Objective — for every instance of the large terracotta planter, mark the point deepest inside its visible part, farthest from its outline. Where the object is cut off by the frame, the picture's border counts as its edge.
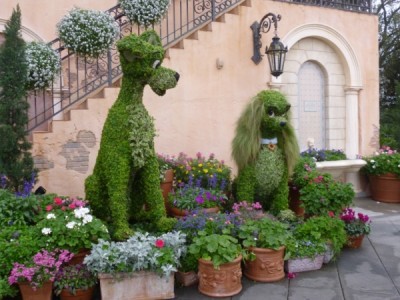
(354, 242)
(268, 265)
(143, 285)
(79, 295)
(42, 293)
(385, 188)
(305, 264)
(223, 282)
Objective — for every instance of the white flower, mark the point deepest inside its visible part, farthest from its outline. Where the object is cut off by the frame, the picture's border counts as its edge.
(81, 212)
(87, 219)
(51, 216)
(373, 167)
(71, 225)
(372, 161)
(145, 12)
(46, 231)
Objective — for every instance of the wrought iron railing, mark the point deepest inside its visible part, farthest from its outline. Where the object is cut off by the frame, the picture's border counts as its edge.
(364, 6)
(82, 77)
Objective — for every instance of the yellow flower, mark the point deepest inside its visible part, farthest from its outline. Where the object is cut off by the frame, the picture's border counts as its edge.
(205, 171)
(219, 170)
(200, 165)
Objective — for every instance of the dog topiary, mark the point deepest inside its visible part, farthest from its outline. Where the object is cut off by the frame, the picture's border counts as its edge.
(125, 183)
(265, 150)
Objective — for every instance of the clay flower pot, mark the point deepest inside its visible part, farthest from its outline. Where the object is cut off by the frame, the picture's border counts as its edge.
(354, 242)
(223, 282)
(79, 295)
(385, 188)
(43, 293)
(268, 265)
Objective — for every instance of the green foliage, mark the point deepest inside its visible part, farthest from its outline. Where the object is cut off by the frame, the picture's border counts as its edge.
(384, 161)
(188, 263)
(319, 192)
(15, 159)
(16, 210)
(73, 278)
(307, 240)
(18, 244)
(269, 170)
(264, 233)
(389, 129)
(217, 248)
(330, 229)
(6, 290)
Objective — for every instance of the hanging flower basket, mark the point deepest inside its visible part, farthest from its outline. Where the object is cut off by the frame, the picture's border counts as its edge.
(43, 65)
(88, 32)
(143, 12)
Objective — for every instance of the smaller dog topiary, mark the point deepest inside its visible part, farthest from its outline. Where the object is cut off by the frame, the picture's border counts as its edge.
(265, 150)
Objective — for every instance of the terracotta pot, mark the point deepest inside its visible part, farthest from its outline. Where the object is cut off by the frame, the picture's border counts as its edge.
(305, 264)
(354, 242)
(385, 188)
(79, 257)
(179, 213)
(142, 285)
(166, 185)
(223, 282)
(79, 295)
(295, 204)
(186, 278)
(43, 293)
(268, 265)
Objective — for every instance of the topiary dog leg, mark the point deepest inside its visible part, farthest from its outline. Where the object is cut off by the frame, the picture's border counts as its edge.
(245, 184)
(280, 199)
(96, 195)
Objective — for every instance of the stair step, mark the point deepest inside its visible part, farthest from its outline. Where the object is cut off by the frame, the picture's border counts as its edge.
(246, 3)
(194, 36)
(207, 27)
(220, 19)
(179, 45)
(234, 11)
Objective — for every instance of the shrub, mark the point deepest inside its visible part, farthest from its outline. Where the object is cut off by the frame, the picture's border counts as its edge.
(144, 12)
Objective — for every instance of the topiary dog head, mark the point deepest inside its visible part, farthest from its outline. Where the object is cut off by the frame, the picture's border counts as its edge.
(141, 58)
(266, 116)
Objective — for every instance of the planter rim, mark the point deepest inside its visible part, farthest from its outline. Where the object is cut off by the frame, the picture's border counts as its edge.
(260, 249)
(141, 273)
(209, 262)
(385, 175)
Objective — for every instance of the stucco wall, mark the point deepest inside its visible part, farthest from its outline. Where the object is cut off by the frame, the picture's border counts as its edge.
(199, 115)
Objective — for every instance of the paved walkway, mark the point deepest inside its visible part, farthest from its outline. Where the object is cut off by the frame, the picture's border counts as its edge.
(369, 273)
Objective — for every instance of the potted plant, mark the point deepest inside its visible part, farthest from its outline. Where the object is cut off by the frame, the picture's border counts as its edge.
(43, 65)
(219, 257)
(324, 154)
(190, 196)
(356, 226)
(248, 211)
(305, 248)
(202, 169)
(383, 171)
(319, 193)
(75, 282)
(68, 224)
(35, 277)
(87, 32)
(141, 267)
(329, 228)
(265, 238)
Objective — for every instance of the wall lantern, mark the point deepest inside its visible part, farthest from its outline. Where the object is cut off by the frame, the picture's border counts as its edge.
(276, 52)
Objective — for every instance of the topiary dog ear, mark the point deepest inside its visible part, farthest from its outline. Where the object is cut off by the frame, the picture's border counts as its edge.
(129, 56)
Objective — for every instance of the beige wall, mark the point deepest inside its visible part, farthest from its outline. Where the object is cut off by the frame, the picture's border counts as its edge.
(200, 113)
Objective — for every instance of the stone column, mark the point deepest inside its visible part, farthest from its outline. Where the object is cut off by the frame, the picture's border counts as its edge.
(352, 122)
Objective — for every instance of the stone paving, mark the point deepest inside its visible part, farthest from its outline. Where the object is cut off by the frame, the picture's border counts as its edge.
(369, 273)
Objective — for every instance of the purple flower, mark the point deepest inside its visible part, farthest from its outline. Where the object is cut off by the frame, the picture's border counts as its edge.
(199, 199)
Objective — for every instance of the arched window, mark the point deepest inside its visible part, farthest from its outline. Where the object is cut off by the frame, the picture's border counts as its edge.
(312, 117)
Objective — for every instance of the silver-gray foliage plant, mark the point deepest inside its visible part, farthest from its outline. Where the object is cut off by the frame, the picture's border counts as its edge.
(138, 253)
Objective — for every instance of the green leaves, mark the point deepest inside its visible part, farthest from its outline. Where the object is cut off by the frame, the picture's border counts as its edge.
(218, 248)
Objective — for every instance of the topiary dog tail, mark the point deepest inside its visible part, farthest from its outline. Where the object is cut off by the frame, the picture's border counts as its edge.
(291, 149)
(246, 143)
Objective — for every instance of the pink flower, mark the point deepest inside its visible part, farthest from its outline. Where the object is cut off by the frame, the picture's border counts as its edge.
(331, 214)
(291, 275)
(58, 201)
(49, 207)
(72, 206)
(160, 243)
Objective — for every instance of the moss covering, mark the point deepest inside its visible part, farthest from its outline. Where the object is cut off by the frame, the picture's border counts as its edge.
(125, 182)
(263, 170)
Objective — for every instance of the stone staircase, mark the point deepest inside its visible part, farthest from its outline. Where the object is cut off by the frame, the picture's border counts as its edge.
(65, 154)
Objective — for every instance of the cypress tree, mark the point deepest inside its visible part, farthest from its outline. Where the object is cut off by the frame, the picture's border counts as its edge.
(16, 161)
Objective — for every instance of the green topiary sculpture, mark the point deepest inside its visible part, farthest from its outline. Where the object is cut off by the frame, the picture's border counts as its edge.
(125, 182)
(265, 150)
